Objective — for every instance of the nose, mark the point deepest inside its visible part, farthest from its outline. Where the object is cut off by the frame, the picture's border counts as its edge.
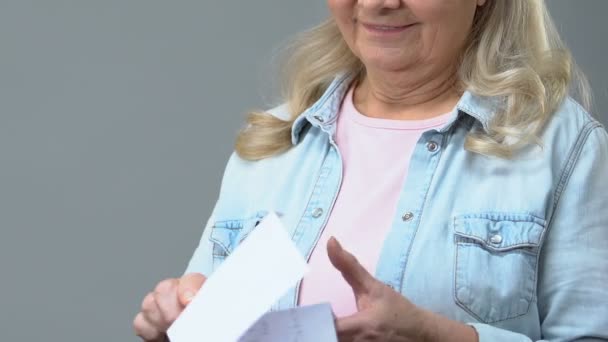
(380, 4)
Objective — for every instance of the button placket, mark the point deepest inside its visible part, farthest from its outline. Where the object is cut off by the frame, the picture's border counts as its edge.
(399, 243)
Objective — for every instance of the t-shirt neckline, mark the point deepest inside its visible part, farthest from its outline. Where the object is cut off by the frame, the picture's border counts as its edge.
(350, 111)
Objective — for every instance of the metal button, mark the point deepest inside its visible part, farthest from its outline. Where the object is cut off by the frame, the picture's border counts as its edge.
(317, 212)
(432, 146)
(407, 216)
(319, 118)
(496, 239)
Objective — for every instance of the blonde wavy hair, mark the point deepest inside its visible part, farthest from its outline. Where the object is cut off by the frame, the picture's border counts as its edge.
(514, 54)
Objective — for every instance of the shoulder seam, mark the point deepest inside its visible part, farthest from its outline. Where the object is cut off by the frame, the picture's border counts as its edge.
(575, 152)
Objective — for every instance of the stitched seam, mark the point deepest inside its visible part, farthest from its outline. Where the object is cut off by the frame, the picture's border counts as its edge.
(310, 196)
(456, 299)
(497, 249)
(520, 249)
(297, 286)
(315, 189)
(320, 103)
(569, 167)
(531, 218)
(426, 192)
(508, 216)
(469, 311)
(469, 110)
(219, 243)
(529, 299)
(234, 225)
(575, 152)
(329, 92)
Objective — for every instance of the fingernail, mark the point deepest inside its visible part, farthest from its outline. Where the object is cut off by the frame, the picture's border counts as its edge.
(189, 295)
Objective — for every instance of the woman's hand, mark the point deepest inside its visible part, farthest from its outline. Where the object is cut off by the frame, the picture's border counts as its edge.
(384, 314)
(162, 306)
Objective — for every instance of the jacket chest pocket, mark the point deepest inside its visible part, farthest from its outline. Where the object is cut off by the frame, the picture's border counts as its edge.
(227, 234)
(496, 264)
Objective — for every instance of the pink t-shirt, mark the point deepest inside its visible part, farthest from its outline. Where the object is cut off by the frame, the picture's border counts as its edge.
(376, 154)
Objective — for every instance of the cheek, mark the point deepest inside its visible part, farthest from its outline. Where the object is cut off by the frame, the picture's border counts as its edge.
(448, 13)
(447, 23)
(343, 12)
(341, 9)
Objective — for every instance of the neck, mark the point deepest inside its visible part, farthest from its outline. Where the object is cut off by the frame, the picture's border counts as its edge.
(406, 95)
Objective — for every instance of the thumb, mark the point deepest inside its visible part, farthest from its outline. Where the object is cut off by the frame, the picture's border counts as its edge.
(189, 286)
(352, 271)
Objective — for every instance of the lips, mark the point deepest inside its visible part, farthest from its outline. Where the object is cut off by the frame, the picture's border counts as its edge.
(384, 26)
(384, 29)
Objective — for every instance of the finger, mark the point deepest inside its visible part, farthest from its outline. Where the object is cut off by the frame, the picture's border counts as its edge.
(151, 311)
(145, 329)
(166, 299)
(355, 275)
(347, 328)
(189, 286)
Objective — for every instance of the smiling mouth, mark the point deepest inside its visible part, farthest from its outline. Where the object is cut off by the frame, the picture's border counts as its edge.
(386, 28)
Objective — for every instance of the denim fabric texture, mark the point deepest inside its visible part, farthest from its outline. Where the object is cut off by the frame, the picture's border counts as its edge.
(517, 248)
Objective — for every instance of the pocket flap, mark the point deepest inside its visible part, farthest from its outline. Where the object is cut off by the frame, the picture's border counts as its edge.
(501, 230)
(227, 234)
(224, 238)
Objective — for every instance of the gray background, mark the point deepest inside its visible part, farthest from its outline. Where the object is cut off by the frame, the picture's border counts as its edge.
(116, 119)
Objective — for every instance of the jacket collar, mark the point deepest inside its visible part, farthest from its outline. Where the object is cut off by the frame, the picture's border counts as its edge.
(324, 111)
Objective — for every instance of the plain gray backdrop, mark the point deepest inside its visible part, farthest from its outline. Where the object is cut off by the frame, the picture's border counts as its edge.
(116, 120)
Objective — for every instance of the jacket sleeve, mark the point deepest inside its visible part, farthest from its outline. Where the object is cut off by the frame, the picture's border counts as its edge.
(202, 258)
(573, 265)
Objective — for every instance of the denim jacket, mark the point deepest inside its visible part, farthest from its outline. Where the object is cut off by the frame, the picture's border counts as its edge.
(516, 248)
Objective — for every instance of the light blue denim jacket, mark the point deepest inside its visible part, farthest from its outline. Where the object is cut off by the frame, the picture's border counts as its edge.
(516, 248)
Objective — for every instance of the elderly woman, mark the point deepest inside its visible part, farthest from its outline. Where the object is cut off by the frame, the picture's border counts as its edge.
(436, 141)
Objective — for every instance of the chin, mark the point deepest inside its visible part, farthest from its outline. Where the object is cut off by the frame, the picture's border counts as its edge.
(391, 63)
(393, 57)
